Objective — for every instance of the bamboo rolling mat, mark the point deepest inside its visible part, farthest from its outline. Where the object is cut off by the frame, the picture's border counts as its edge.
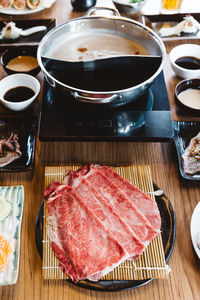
(151, 264)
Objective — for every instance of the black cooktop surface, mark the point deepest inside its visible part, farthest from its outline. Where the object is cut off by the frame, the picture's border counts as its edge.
(146, 119)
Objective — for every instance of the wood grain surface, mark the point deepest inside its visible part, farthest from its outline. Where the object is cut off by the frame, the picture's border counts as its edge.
(184, 279)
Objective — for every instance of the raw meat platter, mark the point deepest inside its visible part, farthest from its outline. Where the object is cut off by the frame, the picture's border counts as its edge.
(122, 277)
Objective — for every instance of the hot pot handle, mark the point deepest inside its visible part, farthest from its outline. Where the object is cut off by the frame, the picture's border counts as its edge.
(95, 8)
(95, 100)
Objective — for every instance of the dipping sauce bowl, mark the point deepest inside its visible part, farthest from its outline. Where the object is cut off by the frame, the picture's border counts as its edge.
(185, 60)
(187, 93)
(20, 89)
(20, 59)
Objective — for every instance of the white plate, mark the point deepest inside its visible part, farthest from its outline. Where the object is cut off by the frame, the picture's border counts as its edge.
(26, 11)
(195, 228)
(10, 229)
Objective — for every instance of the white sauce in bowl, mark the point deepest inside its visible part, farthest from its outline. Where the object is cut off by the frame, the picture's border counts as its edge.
(190, 98)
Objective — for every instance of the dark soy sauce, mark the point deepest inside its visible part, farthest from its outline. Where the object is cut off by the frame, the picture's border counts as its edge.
(188, 62)
(111, 78)
(18, 94)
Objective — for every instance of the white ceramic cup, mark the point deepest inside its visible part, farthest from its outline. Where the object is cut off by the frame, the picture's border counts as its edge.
(185, 50)
(16, 80)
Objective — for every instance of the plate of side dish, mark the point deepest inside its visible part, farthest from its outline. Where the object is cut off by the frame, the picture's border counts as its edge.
(187, 142)
(24, 7)
(10, 32)
(18, 139)
(11, 203)
(174, 26)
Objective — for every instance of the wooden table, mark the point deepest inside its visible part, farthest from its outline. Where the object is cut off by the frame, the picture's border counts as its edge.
(184, 279)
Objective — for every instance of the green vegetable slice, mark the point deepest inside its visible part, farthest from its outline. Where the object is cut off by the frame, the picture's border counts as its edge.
(135, 1)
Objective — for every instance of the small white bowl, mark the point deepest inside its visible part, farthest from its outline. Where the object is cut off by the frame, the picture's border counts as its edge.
(16, 80)
(184, 50)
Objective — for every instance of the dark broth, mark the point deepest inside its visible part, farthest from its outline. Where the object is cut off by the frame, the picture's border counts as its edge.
(188, 62)
(111, 78)
(18, 94)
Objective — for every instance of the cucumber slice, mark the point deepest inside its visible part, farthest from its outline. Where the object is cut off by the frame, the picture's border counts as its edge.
(5, 208)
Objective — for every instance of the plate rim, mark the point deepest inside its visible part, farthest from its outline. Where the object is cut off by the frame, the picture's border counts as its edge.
(194, 215)
(22, 12)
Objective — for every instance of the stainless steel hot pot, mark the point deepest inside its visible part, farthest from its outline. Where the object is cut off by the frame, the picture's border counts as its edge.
(116, 25)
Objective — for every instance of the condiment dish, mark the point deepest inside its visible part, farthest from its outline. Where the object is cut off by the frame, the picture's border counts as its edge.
(128, 7)
(15, 81)
(187, 94)
(183, 51)
(20, 59)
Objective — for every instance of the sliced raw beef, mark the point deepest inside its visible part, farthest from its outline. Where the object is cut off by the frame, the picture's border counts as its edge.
(103, 211)
(84, 247)
(147, 206)
(104, 187)
(50, 189)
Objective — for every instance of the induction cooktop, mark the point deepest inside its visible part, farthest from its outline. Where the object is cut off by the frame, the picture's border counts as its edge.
(146, 119)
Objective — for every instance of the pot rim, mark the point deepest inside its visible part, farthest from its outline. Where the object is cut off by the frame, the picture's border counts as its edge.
(146, 82)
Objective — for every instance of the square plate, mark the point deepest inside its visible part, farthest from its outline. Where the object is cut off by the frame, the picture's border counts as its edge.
(32, 39)
(156, 22)
(26, 128)
(10, 229)
(183, 133)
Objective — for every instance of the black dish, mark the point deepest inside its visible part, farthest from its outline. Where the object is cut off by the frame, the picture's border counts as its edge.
(155, 22)
(31, 40)
(183, 133)
(168, 231)
(26, 128)
(185, 85)
(19, 51)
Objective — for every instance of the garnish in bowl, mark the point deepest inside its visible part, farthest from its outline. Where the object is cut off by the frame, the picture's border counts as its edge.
(5, 251)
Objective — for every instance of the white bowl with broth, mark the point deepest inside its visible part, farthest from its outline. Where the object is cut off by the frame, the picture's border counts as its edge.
(18, 91)
(191, 54)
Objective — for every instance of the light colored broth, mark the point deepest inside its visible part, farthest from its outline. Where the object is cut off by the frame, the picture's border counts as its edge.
(101, 45)
(190, 98)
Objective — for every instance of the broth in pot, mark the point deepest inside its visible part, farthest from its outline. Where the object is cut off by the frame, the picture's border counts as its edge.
(90, 47)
